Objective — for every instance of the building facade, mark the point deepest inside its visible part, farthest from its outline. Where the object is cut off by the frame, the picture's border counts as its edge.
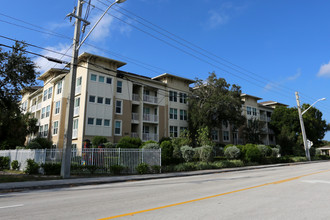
(108, 102)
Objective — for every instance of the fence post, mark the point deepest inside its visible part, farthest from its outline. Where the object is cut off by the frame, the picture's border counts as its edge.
(92, 156)
(142, 154)
(118, 161)
(160, 160)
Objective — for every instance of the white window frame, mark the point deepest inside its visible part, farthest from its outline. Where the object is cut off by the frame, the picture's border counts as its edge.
(174, 131)
(57, 107)
(91, 119)
(101, 77)
(59, 87)
(120, 128)
(45, 97)
(108, 125)
(92, 77)
(47, 111)
(55, 128)
(50, 92)
(119, 87)
(119, 107)
(226, 138)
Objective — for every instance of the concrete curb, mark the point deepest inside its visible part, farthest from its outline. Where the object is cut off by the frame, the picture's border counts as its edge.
(49, 184)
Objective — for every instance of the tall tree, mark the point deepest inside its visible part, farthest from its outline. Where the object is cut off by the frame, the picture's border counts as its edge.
(286, 125)
(17, 71)
(212, 102)
(252, 131)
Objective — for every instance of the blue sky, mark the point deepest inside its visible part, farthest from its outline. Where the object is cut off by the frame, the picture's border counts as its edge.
(270, 48)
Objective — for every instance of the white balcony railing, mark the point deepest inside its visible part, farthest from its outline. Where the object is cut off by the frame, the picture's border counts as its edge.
(76, 111)
(74, 133)
(134, 135)
(38, 107)
(78, 90)
(150, 99)
(136, 97)
(150, 118)
(149, 136)
(135, 116)
(33, 108)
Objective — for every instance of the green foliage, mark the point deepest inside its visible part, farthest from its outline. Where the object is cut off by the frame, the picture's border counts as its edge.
(15, 165)
(155, 169)
(17, 74)
(52, 168)
(151, 146)
(206, 153)
(42, 143)
(109, 145)
(91, 168)
(116, 169)
(212, 102)
(148, 142)
(32, 167)
(129, 142)
(232, 152)
(4, 163)
(275, 152)
(265, 151)
(203, 137)
(167, 152)
(142, 168)
(187, 153)
(317, 152)
(164, 139)
(298, 159)
(252, 153)
(98, 140)
(203, 166)
(252, 131)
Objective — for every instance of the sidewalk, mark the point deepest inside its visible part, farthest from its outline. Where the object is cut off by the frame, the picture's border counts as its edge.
(48, 184)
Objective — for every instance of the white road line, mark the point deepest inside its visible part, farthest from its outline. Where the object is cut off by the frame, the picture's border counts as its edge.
(12, 206)
(316, 181)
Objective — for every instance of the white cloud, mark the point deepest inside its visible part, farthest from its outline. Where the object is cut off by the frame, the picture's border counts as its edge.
(324, 70)
(275, 85)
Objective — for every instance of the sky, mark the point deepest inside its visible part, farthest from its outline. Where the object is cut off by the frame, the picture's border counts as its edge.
(270, 48)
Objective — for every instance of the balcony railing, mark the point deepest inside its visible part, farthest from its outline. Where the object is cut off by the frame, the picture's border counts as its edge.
(78, 90)
(76, 111)
(33, 108)
(136, 97)
(135, 116)
(134, 135)
(150, 99)
(74, 133)
(149, 136)
(150, 118)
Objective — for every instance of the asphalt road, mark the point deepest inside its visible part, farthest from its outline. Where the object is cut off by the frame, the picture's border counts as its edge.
(291, 192)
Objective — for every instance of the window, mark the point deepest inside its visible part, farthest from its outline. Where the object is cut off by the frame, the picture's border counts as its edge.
(183, 98)
(182, 129)
(226, 136)
(59, 87)
(47, 111)
(55, 128)
(248, 110)
(98, 121)
(107, 101)
(254, 111)
(78, 82)
(24, 106)
(46, 130)
(109, 80)
(214, 135)
(50, 92)
(173, 96)
(118, 106)
(77, 102)
(183, 115)
(57, 107)
(100, 100)
(117, 127)
(93, 77)
(173, 131)
(75, 129)
(106, 122)
(101, 79)
(119, 86)
(45, 95)
(90, 121)
(225, 123)
(91, 98)
(173, 113)
(43, 112)
(41, 130)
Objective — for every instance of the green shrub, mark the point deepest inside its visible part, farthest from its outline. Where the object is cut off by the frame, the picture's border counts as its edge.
(116, 169)
(253, 154)
(4, 163)
(232, 152)
(206, 153)
(151, 146)
(167, 152)
(275, 152)
(52, 168)
(91, 168)
(98, 140)
(32, 167)
(142, 168)
(218, 150)
(298, 159)
(33, 145)
(203, 166)
(108, 145)
(148, 142)
(317, 151)
(187, 153)
(265, 151)
(155, 169)
(184, 167)
(129, 142)
(15, 165)
(43, 142)
(164, 139)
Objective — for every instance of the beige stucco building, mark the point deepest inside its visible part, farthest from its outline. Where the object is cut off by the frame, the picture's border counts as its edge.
(108, 102)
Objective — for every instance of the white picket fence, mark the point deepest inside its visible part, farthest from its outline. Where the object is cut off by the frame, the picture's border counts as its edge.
(101, 159)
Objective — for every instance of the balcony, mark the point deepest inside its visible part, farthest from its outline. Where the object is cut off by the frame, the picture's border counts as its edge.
(76, 111)
(134, 135)
(136, 97)
(78, 90)
(150, 99)
(135, 117)
(149, 136)
(74, 133)
(150, 118)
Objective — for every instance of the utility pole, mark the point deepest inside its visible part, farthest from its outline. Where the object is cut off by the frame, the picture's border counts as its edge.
(66, 157)
(303, 128)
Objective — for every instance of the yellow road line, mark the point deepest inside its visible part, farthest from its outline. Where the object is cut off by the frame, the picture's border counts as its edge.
(209, 197)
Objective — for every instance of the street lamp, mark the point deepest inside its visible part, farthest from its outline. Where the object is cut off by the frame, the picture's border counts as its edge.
(66, 158)
(302, 123)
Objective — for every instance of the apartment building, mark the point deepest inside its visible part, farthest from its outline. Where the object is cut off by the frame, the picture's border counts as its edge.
(109, 102)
